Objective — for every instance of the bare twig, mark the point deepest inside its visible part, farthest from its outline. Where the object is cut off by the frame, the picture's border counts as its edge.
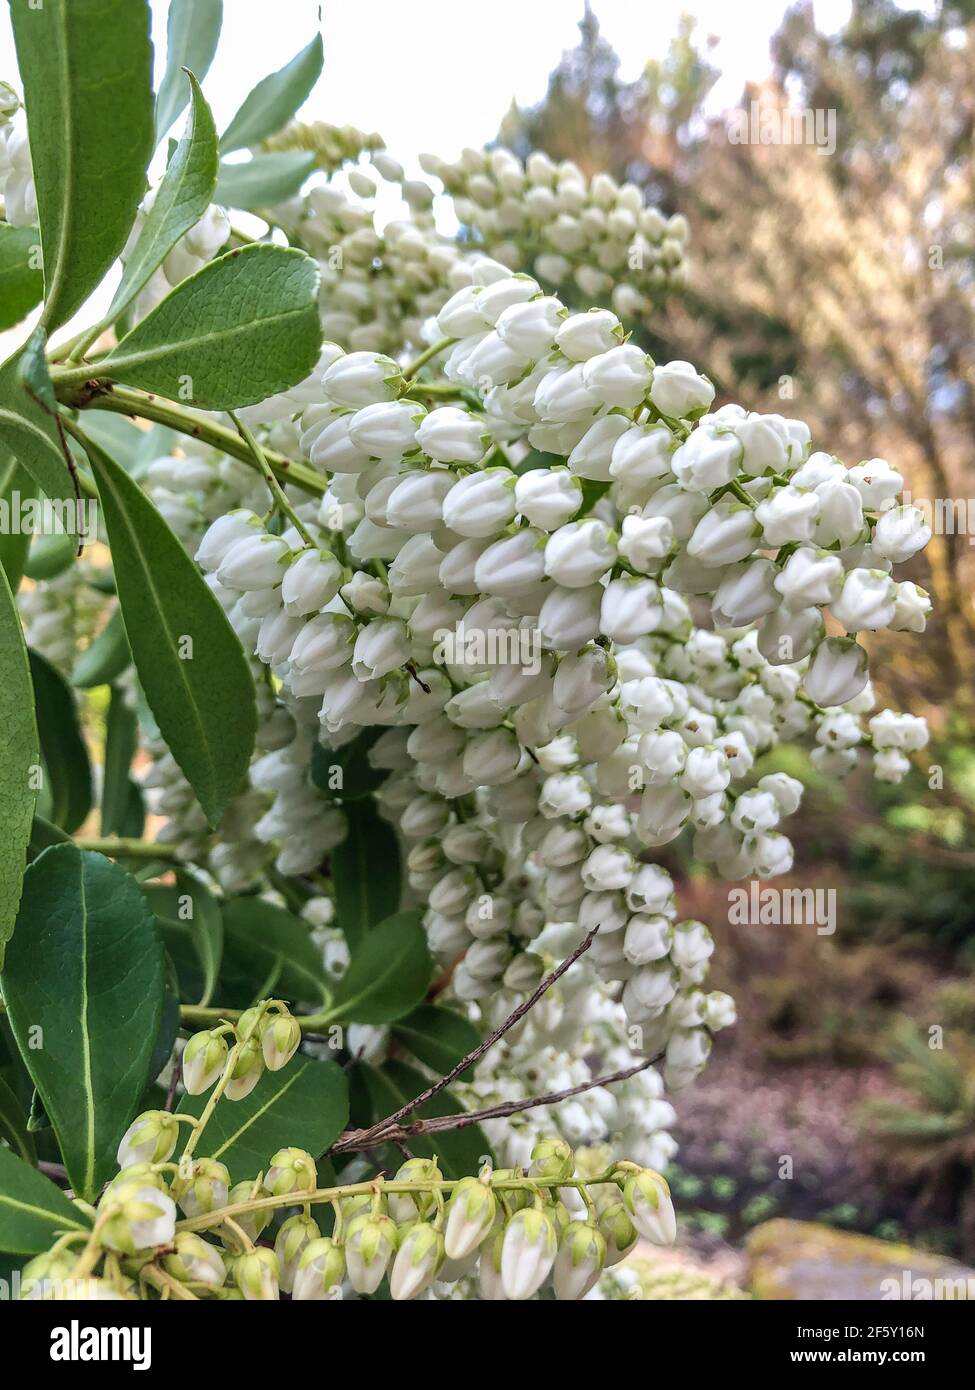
(357, 1140)
(365, 1137)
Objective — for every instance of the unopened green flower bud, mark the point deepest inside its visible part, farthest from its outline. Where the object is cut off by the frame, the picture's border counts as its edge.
(251, 1222)
(527, 1253)
(9, 102)
(150, 1138)
(42, 1276)
(369, 1246)
(195, 1261)
(470, 1216)
(516, 1197)
(291, 1170)
(617, 1230)
(257, 1274)
(293, 1238)
(321, 1268)
(407, 1206)
(207, 1188)
(143, 1218)
(279, 1041)
(552, 1158)
(417, 1261)
(204, 1058)
(580, 1261)
(247, 1071)
(141, 1174)
(647, 1198)
(251, 1023)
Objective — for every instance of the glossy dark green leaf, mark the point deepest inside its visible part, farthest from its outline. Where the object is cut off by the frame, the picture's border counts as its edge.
(460, 1152)
(264, 180)
(16, 488)
(18, 761)
(21, 278)
(437, 1037)
(33, 1212)
(192, 31)
(83, 982)
(187, 906)
(366, 872)
(121, 739)
(86, 66)
(388, 975)
(189, 659)
(275, 99)
(272, 936)
(67, 770)
(181, 200)
(305, 1105)
(104, 659)
(243, 328)
(44, 834)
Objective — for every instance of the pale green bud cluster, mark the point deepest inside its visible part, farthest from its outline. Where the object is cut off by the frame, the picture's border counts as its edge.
(265, 1036)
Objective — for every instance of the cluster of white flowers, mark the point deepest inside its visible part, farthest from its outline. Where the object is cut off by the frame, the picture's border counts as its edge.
(16, 170)
(595, 235)
(194, 248)
(62, 614)
(524, 634)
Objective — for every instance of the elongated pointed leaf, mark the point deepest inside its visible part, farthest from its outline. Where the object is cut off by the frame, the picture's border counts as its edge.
(67, 780)
(33, 1212)
(83, 983)
(16, 488)
(241, 329)
(275, 100)
(266, 934)
(104, 659)
(388, 975)
(18, 762)
(346, 773)
(181, 200)
(366, 872)
(21, 278)
(87, 72)
(121, 737)
(264, 180)
(192, 31)
(305, 1105)
(189, 659)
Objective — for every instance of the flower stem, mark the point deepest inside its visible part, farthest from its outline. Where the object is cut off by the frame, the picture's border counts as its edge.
(411, 369)
(277, 491)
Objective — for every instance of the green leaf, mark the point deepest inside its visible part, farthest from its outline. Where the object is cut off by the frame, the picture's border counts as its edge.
(33, 1212)
(345, 773)
(189, 659)
(181, 200)
(86, 968)
(305, 1105)
(192, 31)
(68, 772)
(366, 872)
(188, 907)
(264, 180)
(121, 738)
(86, 66)
(437, 1037)
(21, 278)
(460, 1152)
(43, 834)
(104, 659)
(18, 761)
(16, 488)
(31, 434)
(34, 374)
(270, 936)
(388, 974)
(243, 328)
(274, 100)
(50, 556)
(13, 1125)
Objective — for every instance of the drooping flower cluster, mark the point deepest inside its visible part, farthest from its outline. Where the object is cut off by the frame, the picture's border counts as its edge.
(16, 170)
(523, 632)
